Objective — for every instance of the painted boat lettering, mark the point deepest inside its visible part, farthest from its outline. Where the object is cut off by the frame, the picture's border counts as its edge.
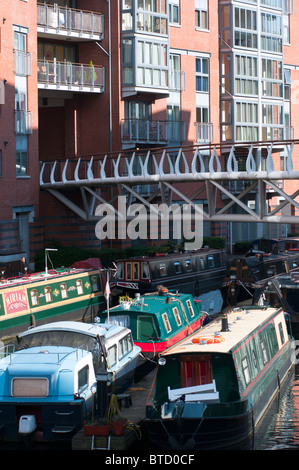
(16, 301)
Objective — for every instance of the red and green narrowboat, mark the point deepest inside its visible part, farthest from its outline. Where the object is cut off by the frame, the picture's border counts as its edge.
(213, 388)
(158, 320)
(56, 294)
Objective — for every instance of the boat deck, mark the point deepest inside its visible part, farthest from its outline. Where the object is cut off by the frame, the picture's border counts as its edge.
(139, 394)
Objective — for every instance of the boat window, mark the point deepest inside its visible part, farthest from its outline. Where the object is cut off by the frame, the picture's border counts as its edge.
(188, 265)
(48, 294)
(111, 356)
(30, 387)
(246, 372)
(282, 337)
(125, 346)
(201, 263)
(145, 271)
(34, 297)
(264, 351)
(177, 267)
(63, 290)
(120, 270)
(128, 271)
(122, 320)
(163, 271)
(135, 271)
(177, 316)
(79, 286)
(211, 261)
(271, 271)
(83, 379)
(190, 308)
(253, 355)
(94, 283)
(166, 322)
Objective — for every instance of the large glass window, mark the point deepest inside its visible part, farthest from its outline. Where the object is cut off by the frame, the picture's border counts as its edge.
(272, 78)
(201, 14)
(246, 75)
(152, 64)
(246, 121)
(245, 28)
(271, 37)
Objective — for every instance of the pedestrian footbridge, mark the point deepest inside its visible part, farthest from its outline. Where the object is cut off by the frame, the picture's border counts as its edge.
(237, 173)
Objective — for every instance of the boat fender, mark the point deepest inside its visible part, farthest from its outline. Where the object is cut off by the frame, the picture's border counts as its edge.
(208, 339)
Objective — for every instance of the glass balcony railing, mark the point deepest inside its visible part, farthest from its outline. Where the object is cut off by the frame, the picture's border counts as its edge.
(152, 132)
(66, 20)
(67, 75)
(23, 122)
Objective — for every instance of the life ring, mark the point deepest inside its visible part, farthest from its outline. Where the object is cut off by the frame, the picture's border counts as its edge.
(208, 339)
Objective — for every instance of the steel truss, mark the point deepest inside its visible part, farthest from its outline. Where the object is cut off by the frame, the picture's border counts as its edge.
(241, 172)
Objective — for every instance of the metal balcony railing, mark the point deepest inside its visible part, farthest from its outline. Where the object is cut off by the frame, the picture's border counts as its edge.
(23, 122)
(145, 131)
(66, 20)
(67, 74)
(204, 132)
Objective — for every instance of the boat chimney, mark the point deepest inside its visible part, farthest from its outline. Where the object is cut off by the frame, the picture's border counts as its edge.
(102, 393)
(224, 323)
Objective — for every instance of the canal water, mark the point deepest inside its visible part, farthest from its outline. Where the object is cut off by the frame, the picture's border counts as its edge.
(279, 429)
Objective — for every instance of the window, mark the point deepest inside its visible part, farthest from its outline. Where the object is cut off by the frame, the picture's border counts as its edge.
(34, 297)
(79, 286)
(190, 308)
(166, 322)
(21, 160)
(281, 332)
(174, 11)
(246, 121)
(48, 294)
(111, 356)
(246, 372)
(188, 265)
(135, 271)
(145, 271)
(129, 271)
(202, 74)
(264, 352)
(201, 14)
(177, 267)
(63, 290)
(125, 346)
(83, 379)
(254, 360)
(163, 271)
(246, 72)
(152, 63)
(177, 316)
(271, 37)
(120, 270)
(272, 78)
(94, 283)
(245, 28)
(211, 261)
(201, 263)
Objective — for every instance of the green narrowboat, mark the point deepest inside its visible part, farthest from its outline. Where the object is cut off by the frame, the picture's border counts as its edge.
(158, 320)
(213, 388)
(56, 294)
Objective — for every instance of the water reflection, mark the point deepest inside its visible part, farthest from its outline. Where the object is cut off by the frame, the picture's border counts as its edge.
(280, 428)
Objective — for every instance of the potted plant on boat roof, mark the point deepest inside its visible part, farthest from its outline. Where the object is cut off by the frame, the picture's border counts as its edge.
(125, 302)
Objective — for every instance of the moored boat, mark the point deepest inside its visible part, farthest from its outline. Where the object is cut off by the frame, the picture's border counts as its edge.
(215, 386)
(158, 320)
(197, 273)
(65, 293)
(50, 384)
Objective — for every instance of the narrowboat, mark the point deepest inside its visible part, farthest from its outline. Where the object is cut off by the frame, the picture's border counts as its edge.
(197, 273)
(158, 320)
(244, 273)
(64, 294)
(281, 290)
(49, 383)
(213, 388)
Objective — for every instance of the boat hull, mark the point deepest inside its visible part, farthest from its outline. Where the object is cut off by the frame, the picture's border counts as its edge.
(221, 425)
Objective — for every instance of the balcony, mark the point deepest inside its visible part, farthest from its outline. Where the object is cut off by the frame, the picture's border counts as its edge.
(68, 76)
(152, 132)
(204, 132)
(69, 23)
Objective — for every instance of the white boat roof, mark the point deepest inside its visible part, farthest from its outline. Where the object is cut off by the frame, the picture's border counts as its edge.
(92, 329)
(240, 322)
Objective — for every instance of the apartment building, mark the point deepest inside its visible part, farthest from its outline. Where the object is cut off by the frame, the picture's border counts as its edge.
(94, 77)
